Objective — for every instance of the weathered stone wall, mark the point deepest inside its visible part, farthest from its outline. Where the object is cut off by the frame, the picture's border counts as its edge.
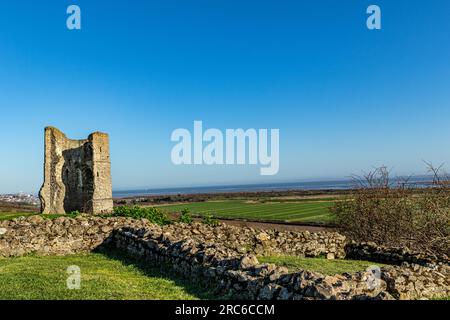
(223, 257)
(373, 252)
(60, 236)
(240, 276)
(77, 174)
(84, 233)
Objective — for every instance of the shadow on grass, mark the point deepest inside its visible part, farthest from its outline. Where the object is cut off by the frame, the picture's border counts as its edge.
(163, 270)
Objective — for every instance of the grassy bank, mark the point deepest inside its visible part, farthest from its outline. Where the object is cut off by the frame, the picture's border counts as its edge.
(12, 215)
(103, 276)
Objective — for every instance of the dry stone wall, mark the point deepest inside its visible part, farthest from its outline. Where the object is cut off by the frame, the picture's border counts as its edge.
(67, 235)
(372, 252)
(60, 236)
(224, 257)
(239, 275)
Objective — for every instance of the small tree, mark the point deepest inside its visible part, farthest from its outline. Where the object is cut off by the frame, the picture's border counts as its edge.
(398, 213)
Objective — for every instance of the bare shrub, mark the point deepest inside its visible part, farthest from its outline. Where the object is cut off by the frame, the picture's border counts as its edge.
(398, 213)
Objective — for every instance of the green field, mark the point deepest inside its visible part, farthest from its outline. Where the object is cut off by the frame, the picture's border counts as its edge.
(311, 211)
(303, 210)
(103, 276)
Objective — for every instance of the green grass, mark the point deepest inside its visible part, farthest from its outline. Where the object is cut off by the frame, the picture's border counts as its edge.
(311, 211)
(321, 265)
(103, 276)
(13, 215)
(441, 298)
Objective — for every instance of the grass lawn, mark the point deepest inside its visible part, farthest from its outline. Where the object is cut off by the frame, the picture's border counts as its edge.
(302, 211)
(103, 276)
(321, 265)
(12, 215)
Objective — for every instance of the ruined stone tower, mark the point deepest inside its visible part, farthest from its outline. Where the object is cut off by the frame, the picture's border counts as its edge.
(77, 174)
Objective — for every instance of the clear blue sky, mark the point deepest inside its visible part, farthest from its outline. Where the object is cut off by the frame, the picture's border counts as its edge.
(344, 98)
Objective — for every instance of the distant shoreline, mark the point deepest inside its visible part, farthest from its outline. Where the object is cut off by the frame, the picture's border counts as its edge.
(214, 196)
(325, 185)
(267, 187)
(205, 193)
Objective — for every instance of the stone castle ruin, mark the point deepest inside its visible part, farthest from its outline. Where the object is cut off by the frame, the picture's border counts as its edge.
(77, 174)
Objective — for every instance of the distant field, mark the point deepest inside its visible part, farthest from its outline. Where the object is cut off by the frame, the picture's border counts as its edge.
(312, 211)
